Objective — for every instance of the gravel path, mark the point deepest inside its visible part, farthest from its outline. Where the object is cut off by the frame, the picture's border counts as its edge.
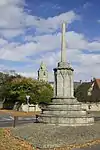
(50, 136)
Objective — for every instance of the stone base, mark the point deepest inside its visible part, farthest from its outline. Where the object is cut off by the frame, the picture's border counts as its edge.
(66, 112)
(68, 121)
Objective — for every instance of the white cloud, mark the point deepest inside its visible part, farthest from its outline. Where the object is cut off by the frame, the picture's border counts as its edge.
(95, 45)
(76, 40)
(11, 14)
(9, 33)
(28, 74)
(87, 4)
(9, 2)
(51, 75)
(16, 52)
(2, 67)
(45, 43)
(98, 21)
(15, 20)
(87, 72)
(52, 23)
(3, 42)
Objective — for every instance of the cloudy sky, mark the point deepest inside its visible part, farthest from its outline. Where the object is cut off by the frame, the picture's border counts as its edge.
(30, 32)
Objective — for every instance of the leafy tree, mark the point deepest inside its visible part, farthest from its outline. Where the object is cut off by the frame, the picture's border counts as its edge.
(18, 87)
(5, 79)
(45, 93)
(4, 84)
(81, 92)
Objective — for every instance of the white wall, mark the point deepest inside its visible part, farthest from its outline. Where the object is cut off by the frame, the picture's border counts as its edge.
(30, 107)
(93, 107)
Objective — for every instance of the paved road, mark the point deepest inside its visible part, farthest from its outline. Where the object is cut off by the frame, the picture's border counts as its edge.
(7, 121)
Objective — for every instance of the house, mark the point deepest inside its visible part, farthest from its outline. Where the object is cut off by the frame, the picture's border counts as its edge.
(88, 91)
(95, 92)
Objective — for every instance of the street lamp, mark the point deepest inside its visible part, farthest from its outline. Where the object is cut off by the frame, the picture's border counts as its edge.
(27, 98)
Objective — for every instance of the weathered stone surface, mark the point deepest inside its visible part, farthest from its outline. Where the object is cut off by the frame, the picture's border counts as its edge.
(65, 110)
(65, 100)
(62, 112)
(64, 107)
(63, 82)
(68, 121)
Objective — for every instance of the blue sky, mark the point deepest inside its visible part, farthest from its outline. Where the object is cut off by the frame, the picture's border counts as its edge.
(30, 32)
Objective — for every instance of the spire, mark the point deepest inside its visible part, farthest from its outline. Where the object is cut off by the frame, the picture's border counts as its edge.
(63, 43)
(43, 66)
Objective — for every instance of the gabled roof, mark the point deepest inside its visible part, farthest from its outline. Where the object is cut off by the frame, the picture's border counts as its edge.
(98, 82)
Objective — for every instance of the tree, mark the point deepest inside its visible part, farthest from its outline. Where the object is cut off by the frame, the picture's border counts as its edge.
(4, 81)
(19, 87)
(81, 92)
(45, 93)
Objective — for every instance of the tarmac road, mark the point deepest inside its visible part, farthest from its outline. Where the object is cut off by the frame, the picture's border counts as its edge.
(7, 121)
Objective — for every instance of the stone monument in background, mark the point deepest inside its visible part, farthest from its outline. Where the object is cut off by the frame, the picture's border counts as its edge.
(65, 109)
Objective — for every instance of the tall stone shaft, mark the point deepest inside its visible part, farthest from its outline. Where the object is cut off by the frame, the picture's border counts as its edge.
(63, 43)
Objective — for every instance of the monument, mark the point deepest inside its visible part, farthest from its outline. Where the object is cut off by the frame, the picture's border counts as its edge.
(64, 109)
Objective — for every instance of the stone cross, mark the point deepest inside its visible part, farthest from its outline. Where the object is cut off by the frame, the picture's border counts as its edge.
(63, 43)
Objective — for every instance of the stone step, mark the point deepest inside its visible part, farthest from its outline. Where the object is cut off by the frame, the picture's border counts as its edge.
(65, 112)
(68, 121)
(65, 101)
(64, 107)
(64, 116)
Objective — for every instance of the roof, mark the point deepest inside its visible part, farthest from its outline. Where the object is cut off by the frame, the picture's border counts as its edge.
(98, 82)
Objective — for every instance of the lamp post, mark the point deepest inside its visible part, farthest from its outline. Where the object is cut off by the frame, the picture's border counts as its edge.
(27, 98)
